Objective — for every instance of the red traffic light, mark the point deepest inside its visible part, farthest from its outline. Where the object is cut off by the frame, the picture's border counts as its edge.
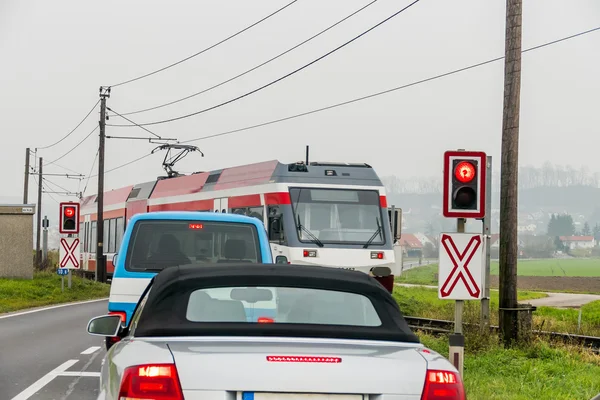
(69, 211)
(69, 218)
(464, 171)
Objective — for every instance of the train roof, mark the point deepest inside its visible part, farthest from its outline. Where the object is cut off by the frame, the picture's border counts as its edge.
(272, 171)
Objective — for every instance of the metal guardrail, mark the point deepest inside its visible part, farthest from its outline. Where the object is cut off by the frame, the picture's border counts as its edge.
(442, 326)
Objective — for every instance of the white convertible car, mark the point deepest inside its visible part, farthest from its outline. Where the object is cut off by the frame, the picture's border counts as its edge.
(269, 332)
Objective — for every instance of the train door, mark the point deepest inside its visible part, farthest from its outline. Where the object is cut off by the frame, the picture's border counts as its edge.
(221, 205)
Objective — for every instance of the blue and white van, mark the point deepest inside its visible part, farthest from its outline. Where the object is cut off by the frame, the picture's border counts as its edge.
(156, 240)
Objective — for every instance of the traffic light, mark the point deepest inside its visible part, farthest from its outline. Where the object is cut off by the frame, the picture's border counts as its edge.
(464, 184)
(69, 218)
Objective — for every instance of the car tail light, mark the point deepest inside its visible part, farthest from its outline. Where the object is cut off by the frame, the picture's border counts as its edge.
(443, 385)
(151, 381)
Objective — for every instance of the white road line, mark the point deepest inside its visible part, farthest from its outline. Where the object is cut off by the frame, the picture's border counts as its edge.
(91, 350)
(51, 308)
(79, 373)
(44, 380)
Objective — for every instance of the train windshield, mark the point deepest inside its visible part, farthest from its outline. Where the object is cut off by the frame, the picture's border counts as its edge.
(157, 244)
(337, 216)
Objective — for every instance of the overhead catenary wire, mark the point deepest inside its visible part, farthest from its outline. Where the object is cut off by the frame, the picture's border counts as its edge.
(278, 79)
(136, 124)
(207, 48)
(76, 146)
(251, 69)
(358, 99)
(90, 173)
(54, 184)
(73, 130)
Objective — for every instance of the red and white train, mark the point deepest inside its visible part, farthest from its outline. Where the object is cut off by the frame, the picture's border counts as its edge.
(330, 214)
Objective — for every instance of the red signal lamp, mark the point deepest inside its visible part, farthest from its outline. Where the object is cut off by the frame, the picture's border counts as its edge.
(69, 211)
(464, 172)
(196, 226)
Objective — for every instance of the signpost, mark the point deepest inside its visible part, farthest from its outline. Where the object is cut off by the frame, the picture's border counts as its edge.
(69, 248)
(62, 272)
(463, 257)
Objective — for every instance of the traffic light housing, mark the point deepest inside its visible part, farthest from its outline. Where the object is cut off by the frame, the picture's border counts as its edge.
(464, 184)
(69, 218)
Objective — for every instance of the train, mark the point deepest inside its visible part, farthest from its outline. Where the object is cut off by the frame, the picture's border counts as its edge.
(325, 213)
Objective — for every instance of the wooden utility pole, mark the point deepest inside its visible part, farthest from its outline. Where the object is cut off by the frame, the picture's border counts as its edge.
(38, 255)
(100, 260)
(509, 173)
(26, 182)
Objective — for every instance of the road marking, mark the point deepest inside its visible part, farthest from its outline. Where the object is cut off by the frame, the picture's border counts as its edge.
(91, 350)
(51, 308)
(44, 380)
(79, 373)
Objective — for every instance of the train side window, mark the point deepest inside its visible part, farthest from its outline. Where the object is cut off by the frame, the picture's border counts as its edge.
(275, 225)
(120, 231)
(94, 237)
(256, 212)
(106, 238)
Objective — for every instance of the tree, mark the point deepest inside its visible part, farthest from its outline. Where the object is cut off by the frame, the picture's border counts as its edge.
(597, 231)
(561, 225)
(586, 230)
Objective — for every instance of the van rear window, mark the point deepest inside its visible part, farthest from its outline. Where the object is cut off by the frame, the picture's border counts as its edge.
(157, 244)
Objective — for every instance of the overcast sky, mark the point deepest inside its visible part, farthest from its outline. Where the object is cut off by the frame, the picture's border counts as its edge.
(56, 54)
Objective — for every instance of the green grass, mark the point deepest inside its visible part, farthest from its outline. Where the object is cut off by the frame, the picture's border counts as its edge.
(44, 289)
(589, 267)
(424, 302)
(424, 275)
(538, 371)
(565, 320)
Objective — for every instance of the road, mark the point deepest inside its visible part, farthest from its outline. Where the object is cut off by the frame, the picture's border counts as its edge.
(46, 354)
(559, 300)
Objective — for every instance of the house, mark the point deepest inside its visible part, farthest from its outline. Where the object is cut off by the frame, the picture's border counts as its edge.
(578, 242)
(411, 245)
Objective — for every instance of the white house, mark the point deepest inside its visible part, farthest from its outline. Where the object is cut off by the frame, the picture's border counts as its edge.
(578, 242)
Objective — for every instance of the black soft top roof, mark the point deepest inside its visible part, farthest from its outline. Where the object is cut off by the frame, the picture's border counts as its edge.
(166, 306)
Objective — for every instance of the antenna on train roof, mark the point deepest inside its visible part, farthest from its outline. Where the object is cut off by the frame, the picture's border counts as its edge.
(170, 160)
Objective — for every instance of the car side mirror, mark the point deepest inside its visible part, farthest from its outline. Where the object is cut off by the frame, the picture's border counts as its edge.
(114, 260)
(105, 325)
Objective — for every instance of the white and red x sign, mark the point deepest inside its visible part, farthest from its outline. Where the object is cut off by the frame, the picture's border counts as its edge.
(461, 266)
(69, 253)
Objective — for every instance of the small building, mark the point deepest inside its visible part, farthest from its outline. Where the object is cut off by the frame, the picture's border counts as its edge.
(16, 240)
(578, 242)
(411, 245)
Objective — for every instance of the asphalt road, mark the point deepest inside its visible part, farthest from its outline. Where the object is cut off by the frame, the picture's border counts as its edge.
(48, 355)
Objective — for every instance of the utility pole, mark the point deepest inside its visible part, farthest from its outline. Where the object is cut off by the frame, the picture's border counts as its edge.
(26, 182)
(100, 260)
(509, 173)
(38, 258)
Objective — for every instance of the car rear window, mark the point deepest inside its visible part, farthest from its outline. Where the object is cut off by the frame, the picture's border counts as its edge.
(157, 244)
(291, 305)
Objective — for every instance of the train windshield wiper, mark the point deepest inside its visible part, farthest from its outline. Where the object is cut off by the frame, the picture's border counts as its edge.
(377, 232)
(312, 237)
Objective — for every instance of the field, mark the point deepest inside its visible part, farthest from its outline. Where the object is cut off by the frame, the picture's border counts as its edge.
(553, 275)
(538, 371)
(44, 289)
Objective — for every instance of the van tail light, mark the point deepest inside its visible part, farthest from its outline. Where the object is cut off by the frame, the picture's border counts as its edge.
(151, 381)
(122, 314)
(443, 385)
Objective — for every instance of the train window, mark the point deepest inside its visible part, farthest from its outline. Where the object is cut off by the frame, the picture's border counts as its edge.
(106, 238)
(120, 231)
(94, 237)
(256, 212)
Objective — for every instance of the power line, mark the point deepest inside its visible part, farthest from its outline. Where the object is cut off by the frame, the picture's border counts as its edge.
(208, 48)
(371, 95)
(65, 168)
(124, 165)
(74, 129)
(134, 123)
(76, 146)
(384, 91)
(91, 169)
(44, 191)
(279, 79)
(54, 184)
(251, 69)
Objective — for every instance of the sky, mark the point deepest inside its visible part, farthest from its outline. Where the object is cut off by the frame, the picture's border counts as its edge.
(55, 56)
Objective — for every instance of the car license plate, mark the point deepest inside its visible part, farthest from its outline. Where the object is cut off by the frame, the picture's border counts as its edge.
(298, 396)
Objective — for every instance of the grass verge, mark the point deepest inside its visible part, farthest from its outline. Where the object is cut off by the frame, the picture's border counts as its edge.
(540, 370)
(44, 289)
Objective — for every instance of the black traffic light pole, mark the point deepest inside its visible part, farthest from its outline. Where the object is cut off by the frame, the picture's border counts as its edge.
(100, 274)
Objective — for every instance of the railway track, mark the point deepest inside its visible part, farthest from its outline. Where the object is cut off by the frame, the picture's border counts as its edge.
(438, 326)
